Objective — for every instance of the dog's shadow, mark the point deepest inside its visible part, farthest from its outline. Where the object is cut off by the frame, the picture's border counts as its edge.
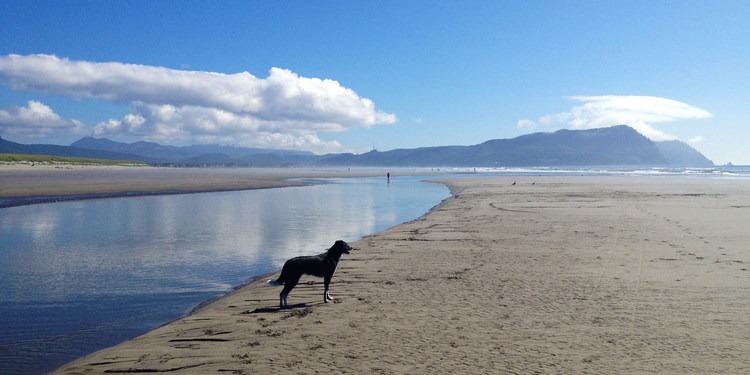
(266, 310)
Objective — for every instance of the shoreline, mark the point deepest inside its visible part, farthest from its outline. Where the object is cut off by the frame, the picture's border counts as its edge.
(24, 185)
(571, 274)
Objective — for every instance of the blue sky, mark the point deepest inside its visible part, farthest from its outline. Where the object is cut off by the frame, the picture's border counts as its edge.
(335, 76)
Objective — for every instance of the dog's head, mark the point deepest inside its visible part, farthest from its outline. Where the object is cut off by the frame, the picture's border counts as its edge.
(341, 247)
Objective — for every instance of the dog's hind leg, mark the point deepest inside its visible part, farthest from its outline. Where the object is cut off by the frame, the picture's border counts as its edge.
(282, 296)
(288, 286)
(282, 301)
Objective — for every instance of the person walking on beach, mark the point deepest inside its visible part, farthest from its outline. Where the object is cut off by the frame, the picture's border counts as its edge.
(388, 175)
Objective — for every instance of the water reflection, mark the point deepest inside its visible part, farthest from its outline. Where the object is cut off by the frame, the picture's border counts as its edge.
(78, 276)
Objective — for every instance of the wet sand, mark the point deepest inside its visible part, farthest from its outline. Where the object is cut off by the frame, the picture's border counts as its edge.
(600, 275)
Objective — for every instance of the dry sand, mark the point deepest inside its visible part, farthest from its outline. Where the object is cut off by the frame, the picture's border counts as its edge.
(568, 275)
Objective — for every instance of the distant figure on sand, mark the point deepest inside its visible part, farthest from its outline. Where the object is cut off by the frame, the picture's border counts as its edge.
(388, 175)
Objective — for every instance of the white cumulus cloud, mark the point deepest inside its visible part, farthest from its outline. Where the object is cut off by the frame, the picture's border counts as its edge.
(526, 124)
(695, 140)
(36, 118)
(171, 105)
(172, 124)
(640, 112)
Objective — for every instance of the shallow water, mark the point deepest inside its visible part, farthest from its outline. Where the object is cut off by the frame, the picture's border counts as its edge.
(79, 276)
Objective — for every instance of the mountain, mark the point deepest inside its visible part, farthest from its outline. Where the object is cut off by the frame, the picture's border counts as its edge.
(617, 145)
(613, 146)
(678, 153)
(8, 147)
(199, 154)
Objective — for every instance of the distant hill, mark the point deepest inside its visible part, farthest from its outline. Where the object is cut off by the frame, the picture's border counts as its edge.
(8, 147)
(198, 154)
(680, 154)
(613, 146)
(617, 145)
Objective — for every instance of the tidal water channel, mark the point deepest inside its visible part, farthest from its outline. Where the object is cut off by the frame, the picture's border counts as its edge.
(79, 276)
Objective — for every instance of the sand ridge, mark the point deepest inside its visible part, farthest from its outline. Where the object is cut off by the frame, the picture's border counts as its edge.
(565, 275)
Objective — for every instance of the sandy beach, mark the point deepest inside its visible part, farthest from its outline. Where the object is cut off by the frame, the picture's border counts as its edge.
(597, 275)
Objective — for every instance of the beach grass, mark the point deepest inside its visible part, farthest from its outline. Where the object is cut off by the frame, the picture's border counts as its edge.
(57, 160)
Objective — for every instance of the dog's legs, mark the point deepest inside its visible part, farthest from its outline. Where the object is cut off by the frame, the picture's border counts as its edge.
(288, 286)
(326, 282)
(282, 296)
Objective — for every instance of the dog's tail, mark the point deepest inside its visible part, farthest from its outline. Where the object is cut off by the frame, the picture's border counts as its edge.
(276, 282)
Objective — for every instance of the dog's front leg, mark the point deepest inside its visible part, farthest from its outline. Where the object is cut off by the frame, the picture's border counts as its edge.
(326, 296)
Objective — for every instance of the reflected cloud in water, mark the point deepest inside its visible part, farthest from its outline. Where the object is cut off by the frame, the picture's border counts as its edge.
(78, 276)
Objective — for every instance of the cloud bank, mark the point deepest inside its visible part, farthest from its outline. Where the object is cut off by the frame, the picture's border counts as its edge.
(181, 106)
(640, 112)
(36, 119)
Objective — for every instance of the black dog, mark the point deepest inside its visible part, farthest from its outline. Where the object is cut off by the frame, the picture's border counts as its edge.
(321, 265)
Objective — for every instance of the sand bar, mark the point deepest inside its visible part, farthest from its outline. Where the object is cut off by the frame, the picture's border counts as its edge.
(568, 275)
(24, 184)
